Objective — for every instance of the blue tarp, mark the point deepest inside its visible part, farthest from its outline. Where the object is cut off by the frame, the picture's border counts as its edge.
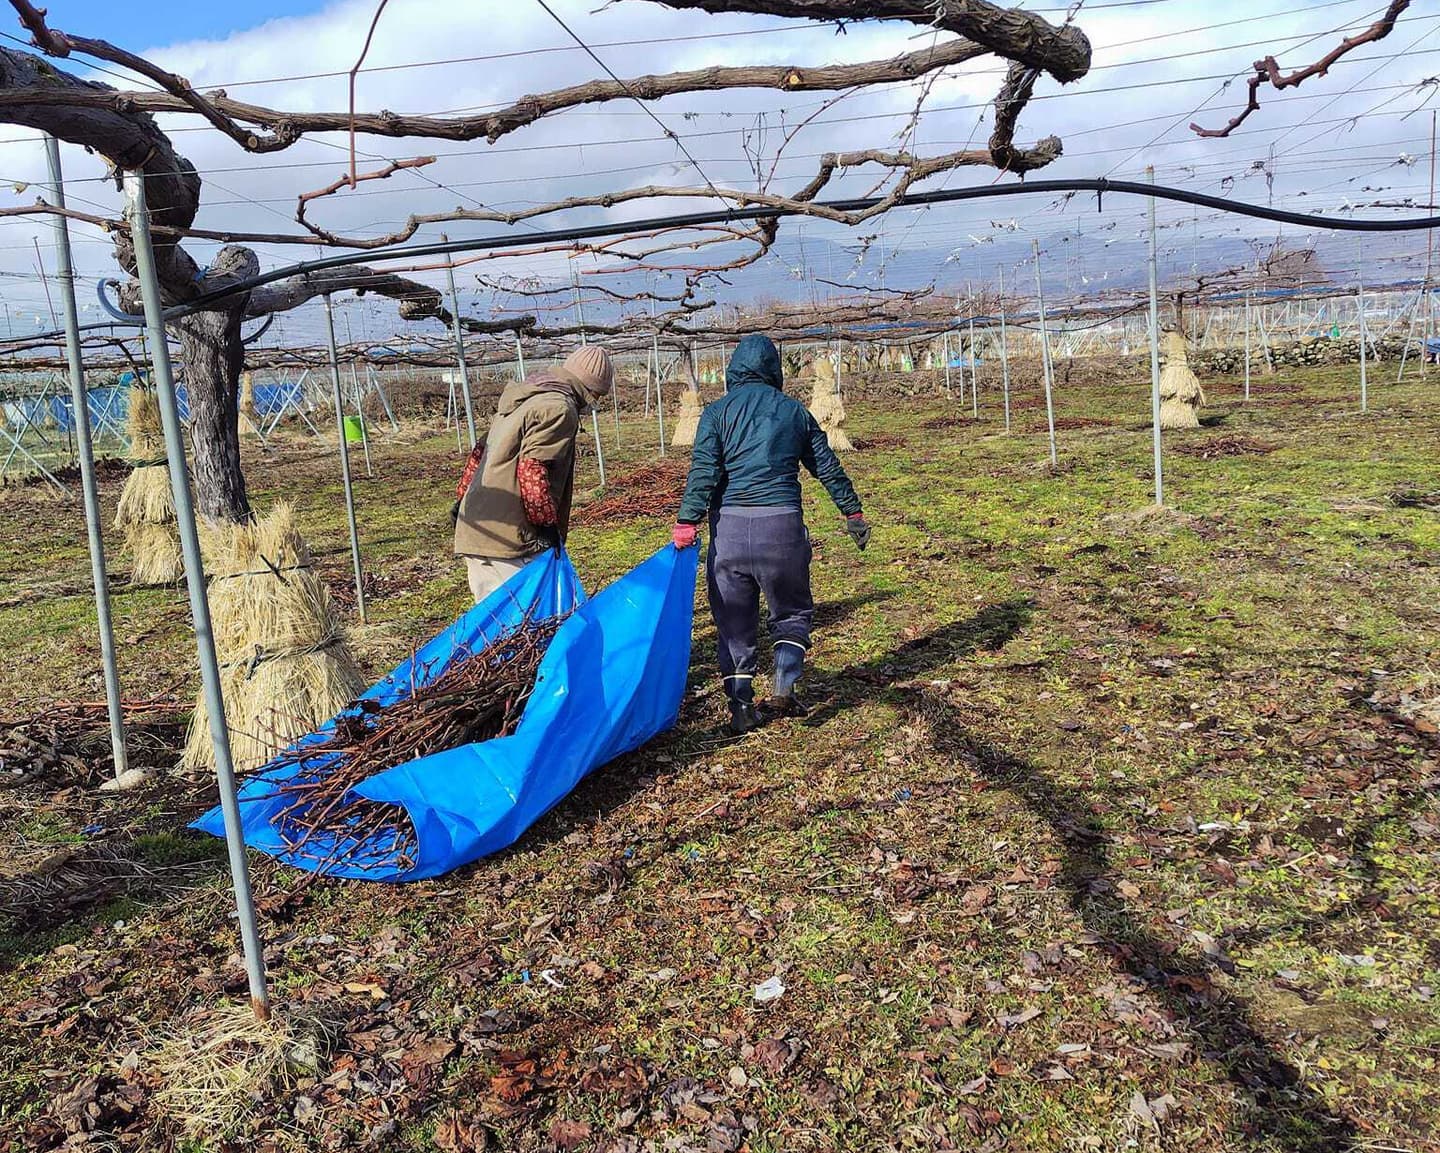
(612, 678)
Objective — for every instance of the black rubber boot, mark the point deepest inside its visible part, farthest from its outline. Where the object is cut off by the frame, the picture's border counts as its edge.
(741, 694)
(789, 665)
(743, 718)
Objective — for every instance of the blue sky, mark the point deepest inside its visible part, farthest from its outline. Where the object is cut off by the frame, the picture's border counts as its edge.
(133, 24)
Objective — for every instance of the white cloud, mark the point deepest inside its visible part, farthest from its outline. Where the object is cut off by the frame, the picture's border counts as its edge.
(1131, 110)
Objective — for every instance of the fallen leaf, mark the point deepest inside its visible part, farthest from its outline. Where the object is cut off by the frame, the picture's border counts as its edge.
(569, 1134)
(973, 899)
(511, 1087)
(1011, 1020)
(431, 1052)
(944, 1016)
(774, 1055)
(456, 1135)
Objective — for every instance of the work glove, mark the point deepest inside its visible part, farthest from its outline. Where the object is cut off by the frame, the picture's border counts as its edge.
(859, 529)
(549, 534)
(684, 535)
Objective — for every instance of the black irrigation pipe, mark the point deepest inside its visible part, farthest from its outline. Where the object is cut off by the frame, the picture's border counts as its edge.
(1098, 185)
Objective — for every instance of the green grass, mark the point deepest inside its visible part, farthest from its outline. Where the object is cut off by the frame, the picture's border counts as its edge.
(1091, 804)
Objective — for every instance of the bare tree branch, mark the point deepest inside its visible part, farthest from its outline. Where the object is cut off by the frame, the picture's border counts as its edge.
(61, 44)
(1063, 52)
(291, 126)
(1268, 69)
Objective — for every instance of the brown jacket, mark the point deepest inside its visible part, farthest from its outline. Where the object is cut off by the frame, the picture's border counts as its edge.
(537, 419)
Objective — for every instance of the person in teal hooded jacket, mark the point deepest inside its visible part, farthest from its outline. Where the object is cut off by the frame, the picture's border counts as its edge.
(745, 477)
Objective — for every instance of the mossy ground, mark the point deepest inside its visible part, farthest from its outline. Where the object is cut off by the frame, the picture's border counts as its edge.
(1108, 826)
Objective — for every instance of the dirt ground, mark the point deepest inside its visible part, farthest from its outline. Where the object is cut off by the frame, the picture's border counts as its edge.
(1109, 828)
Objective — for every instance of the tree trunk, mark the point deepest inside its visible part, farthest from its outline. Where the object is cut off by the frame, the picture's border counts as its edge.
(212, 358)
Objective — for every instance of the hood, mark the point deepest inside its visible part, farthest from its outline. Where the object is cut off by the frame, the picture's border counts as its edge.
(756, 361)
(546, 380)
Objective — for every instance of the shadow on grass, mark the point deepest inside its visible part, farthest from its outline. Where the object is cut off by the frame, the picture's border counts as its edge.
(1278, 1109)
(989, 630)
(702, 730)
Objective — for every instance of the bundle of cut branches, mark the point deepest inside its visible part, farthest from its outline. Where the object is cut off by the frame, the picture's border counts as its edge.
(480, 696)
(651, 490)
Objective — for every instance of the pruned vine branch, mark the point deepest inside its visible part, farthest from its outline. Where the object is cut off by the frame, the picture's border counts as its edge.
(1268, 69)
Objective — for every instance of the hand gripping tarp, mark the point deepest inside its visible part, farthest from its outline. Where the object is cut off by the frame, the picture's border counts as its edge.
(612, 678)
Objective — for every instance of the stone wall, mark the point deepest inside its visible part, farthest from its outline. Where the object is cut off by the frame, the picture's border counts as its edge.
(1310, 351)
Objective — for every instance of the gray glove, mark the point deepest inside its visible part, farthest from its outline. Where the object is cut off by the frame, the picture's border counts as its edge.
(859, 529)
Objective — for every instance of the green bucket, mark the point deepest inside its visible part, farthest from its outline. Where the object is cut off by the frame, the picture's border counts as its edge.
(354, 430)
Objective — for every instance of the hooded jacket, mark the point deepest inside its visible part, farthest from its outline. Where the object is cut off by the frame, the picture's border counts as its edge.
(751, 443)
(537, 419)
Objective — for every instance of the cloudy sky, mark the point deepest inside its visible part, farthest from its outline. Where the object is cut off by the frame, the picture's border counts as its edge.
(1355, 136)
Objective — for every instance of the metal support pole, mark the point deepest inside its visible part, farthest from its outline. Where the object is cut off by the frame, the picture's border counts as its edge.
(594, 415)
(974, 368)
(345, 461)
(948, 393)
(1360, 313)
(519, 358)
(199, 597)
(1155, 355)
(1004, 352)
(459, 349)
(80, 399)
(659, 393)
(1045, 355)
(1429, 264)
(1247, 348)
(376, 378)
(360, 412)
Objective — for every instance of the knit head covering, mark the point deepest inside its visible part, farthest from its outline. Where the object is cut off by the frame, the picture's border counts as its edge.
(590, 365)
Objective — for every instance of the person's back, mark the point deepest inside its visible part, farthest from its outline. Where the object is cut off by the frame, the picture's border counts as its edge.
(745, 475)
(752, 443)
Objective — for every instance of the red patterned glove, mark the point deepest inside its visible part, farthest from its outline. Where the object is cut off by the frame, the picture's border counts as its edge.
(534, 482)
(684, 535)
(472, 466)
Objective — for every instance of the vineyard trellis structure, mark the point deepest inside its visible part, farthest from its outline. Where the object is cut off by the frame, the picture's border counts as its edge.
(209, 305)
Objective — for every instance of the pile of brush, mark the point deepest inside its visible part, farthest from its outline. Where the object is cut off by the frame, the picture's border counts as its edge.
(651, 490)
(481, 696)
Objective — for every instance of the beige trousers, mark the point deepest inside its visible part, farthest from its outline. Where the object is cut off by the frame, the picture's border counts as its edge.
(488, 573)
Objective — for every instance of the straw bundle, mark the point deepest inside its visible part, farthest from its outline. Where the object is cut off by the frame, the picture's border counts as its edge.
(248, 412)
(1181, 397)
(826, 406)
(688, 421)
(146, 512)
(286, 665)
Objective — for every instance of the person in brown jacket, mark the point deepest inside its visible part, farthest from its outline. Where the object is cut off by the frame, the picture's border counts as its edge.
(515, 495)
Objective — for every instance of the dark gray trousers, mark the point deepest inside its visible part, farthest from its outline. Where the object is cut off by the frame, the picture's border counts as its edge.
(755, 551)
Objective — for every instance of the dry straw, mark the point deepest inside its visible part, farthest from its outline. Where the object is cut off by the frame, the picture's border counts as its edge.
(827, 407)
(248, 412)
(688, 422)
(1181, 397)
(286, 664)
(146, 512)
(215, 1066)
